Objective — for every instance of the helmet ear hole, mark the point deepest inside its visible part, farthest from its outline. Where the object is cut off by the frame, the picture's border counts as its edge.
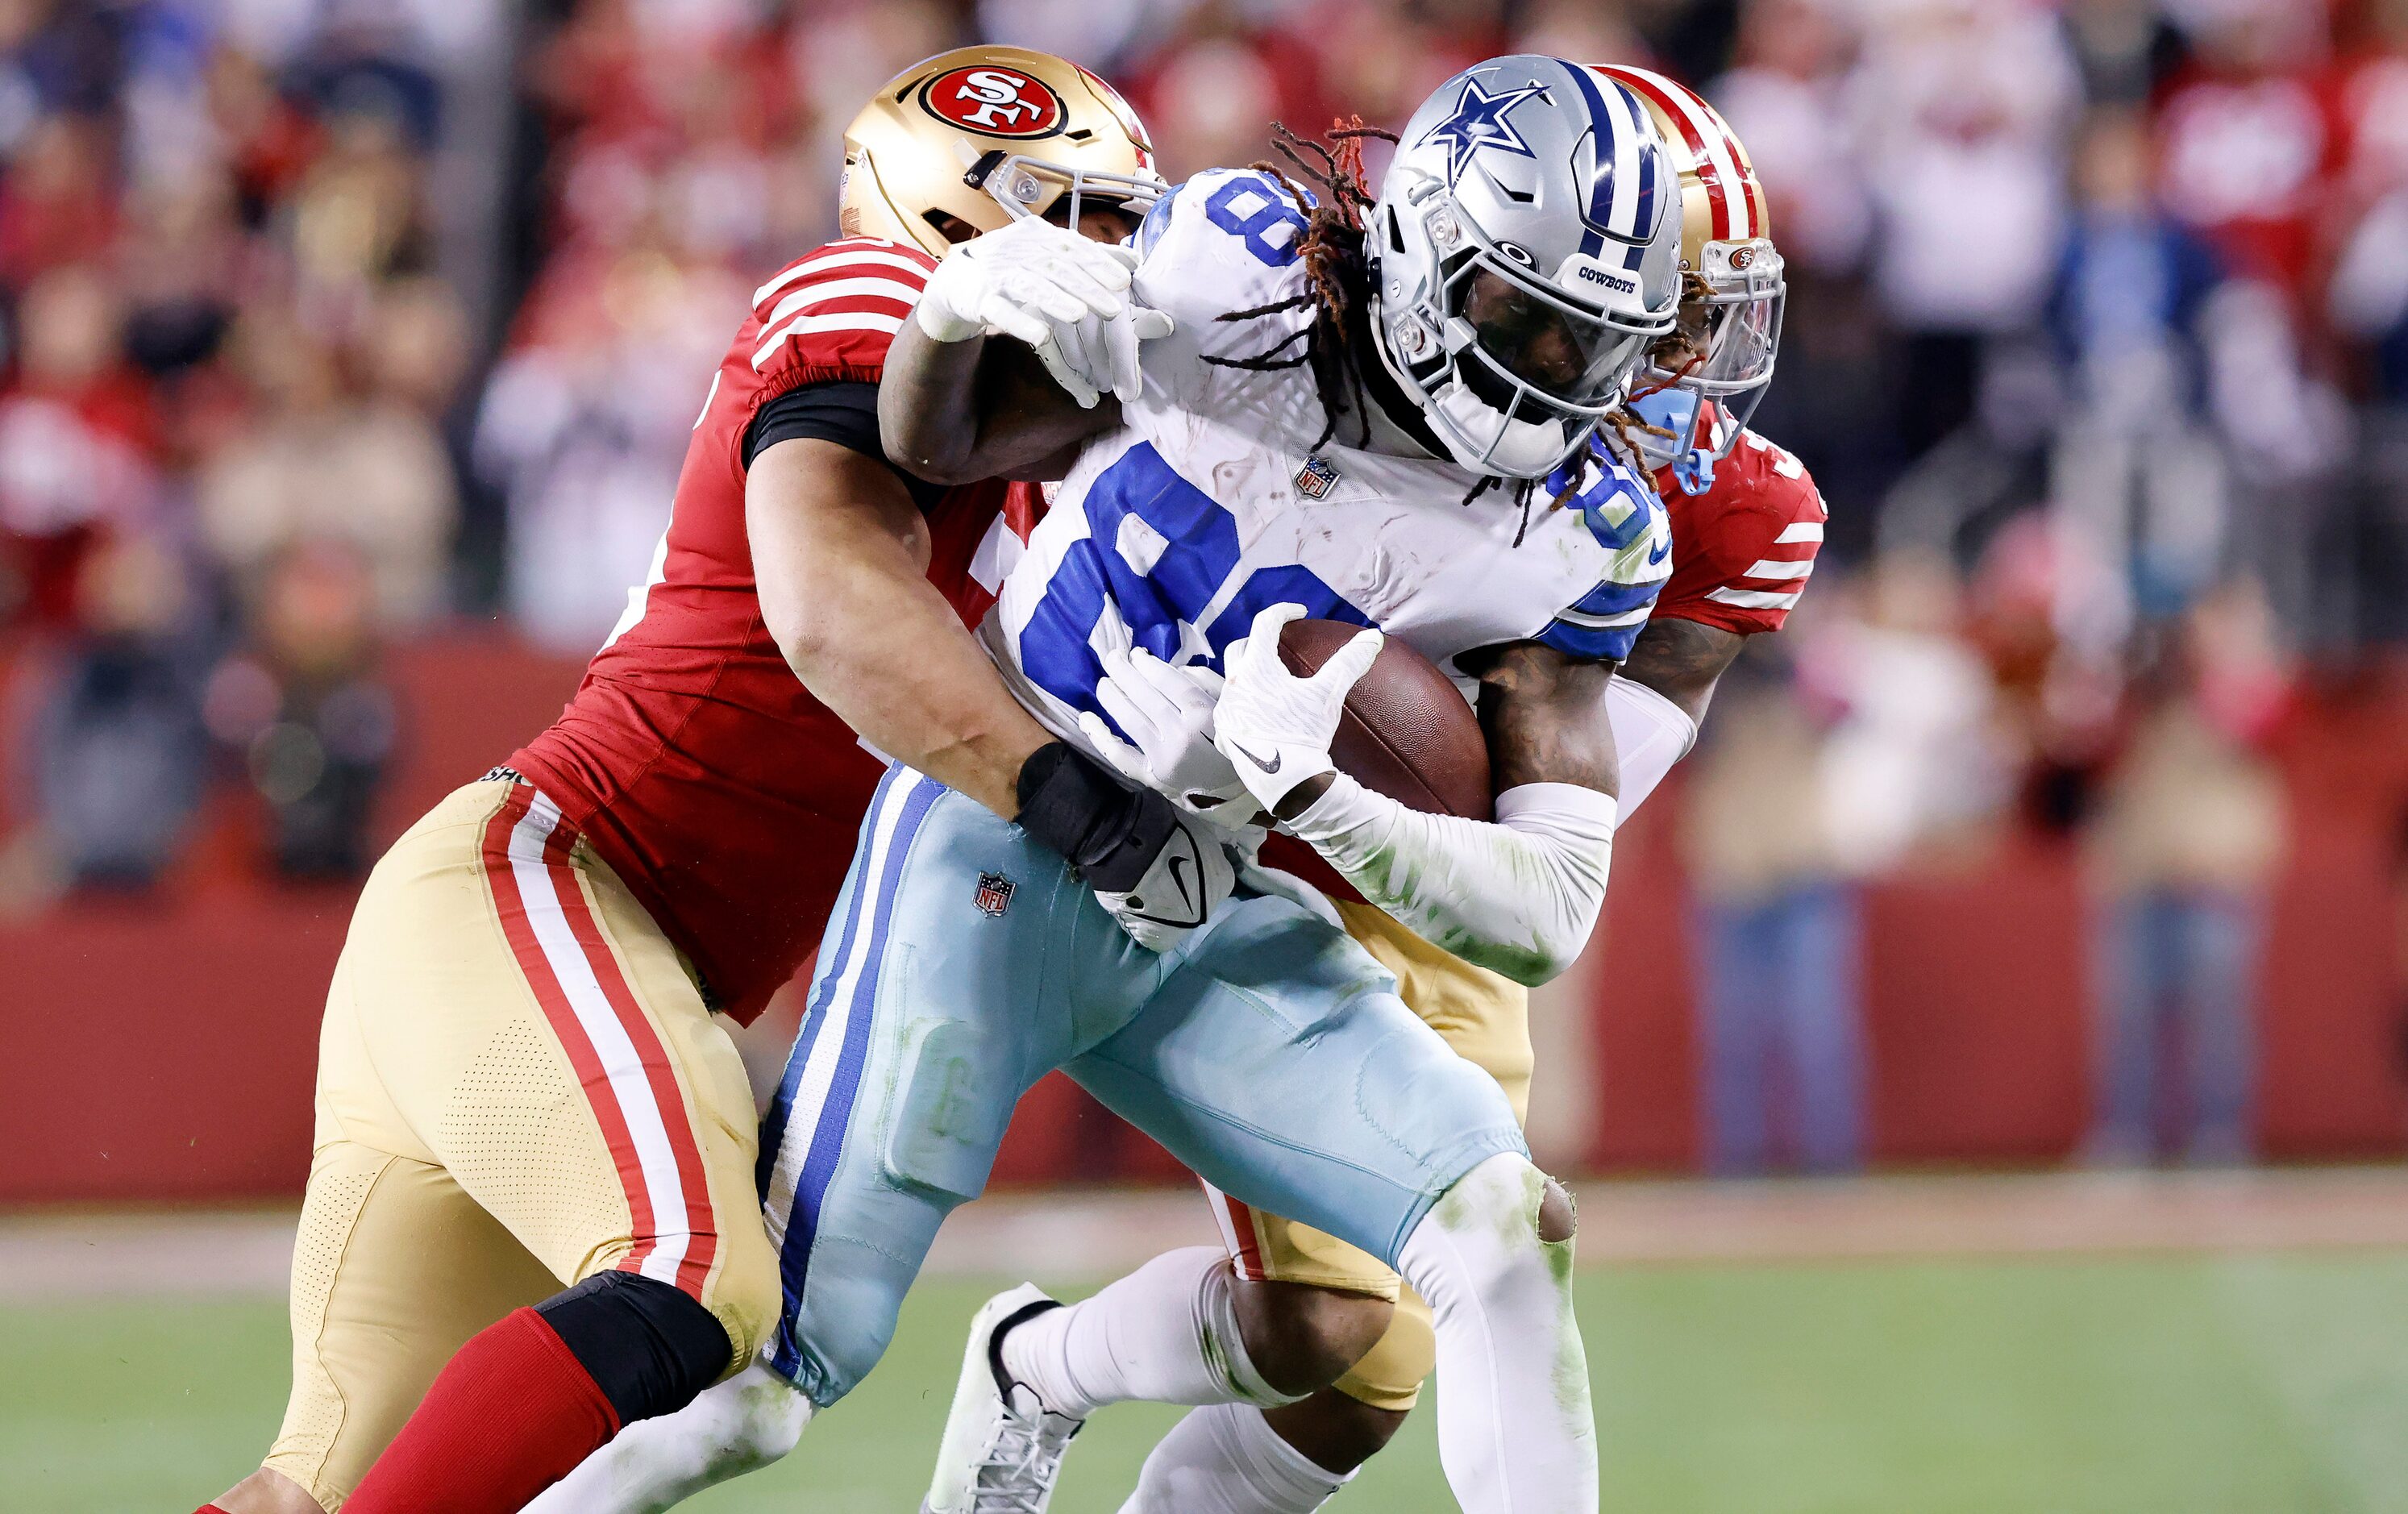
(1396, 233)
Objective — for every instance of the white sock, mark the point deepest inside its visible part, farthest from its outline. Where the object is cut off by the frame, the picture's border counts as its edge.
(739, 1427)
(1514, 1430)
(1227, 1459)
(1167, 1332)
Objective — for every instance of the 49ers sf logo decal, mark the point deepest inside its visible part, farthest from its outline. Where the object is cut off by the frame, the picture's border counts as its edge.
(996, 101)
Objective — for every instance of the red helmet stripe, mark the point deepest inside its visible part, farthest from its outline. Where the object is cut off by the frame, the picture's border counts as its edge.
(1755, 203)
(1717, 156)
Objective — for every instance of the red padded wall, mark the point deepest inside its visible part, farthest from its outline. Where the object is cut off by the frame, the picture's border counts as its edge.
(161, 1050)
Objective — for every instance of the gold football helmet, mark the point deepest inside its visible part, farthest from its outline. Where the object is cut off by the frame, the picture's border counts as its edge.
(1729, 329)
(985, 135)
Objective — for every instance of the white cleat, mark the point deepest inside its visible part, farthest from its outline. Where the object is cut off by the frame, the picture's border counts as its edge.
(1002, 1451)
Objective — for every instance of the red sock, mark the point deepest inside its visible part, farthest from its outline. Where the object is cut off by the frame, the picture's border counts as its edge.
(208, 1508)
(510, 1415)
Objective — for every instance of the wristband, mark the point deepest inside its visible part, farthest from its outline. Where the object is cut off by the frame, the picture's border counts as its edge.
(1110, 833)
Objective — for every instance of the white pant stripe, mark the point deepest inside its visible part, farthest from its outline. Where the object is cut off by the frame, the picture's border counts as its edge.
(629, 1086)
(810, 1094)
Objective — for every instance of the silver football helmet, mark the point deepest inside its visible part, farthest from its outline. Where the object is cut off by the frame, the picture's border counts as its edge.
(1528, 242)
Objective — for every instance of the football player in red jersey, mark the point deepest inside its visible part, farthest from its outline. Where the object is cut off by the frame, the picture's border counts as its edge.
(522, 1086)
(1747, 524)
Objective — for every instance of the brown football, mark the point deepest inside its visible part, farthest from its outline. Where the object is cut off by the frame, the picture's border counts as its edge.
(1408, 732)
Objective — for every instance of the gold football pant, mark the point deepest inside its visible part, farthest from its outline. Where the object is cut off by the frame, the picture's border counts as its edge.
(518, 1087)
(1487, 1019)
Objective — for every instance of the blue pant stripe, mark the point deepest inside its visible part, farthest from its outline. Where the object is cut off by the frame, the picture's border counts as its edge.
(836, 1111)
(782, 1108)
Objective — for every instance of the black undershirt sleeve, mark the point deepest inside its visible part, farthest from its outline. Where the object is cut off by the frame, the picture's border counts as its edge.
(843, 411)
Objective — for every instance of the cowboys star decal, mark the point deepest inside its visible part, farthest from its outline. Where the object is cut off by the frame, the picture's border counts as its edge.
(1479, 121)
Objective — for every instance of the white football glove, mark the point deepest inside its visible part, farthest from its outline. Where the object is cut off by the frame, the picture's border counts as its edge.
(1274, 727)
(1063, 294)
(1187, 881)
(1166, 711)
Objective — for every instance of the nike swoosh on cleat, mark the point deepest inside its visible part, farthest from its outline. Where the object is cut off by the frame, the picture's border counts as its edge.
(1271, 766)
(1186, 895)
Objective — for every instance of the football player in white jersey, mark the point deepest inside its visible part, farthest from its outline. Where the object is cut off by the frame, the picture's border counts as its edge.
(1382, 412)
(1747, 524)
(1269, 464)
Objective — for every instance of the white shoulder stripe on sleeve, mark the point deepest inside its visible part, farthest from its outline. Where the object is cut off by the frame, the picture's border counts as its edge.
(838, 288)
(1755, 599)
(1799, 531)
(1769, 569)
(836, 320)
(863, 257)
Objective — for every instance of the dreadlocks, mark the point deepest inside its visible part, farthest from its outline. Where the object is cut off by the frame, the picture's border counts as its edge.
(1331, 249)
(1681, 352)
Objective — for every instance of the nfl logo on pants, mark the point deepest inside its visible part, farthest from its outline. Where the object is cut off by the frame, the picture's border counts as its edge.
(994, 894)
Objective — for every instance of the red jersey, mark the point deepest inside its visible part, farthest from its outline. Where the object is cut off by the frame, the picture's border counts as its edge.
(1743, 550)
(723, 795)
(1742, 553)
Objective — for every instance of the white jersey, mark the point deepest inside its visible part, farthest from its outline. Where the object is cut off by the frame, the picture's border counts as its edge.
(1210, 501)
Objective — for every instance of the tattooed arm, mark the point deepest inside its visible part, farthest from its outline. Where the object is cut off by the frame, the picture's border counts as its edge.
(1544, 714)
(1545, 717)
(1661, 700)
(1519, 893)
(1683, 661)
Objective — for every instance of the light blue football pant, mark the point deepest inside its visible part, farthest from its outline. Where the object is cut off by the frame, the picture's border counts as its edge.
(1269, 1053)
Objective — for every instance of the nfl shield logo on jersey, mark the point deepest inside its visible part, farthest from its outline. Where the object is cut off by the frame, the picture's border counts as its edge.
(1315, 478)
(994, 894)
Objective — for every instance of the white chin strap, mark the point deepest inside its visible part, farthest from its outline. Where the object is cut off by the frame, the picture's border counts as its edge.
(1485, 439)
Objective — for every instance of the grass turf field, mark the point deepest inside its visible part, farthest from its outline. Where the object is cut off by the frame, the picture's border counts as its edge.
(2253, 1385)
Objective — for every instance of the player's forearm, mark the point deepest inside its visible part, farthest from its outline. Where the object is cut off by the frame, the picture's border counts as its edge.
(928, 404)
(955, 412)
(1519, 895)
(838, 556)
(886, 652)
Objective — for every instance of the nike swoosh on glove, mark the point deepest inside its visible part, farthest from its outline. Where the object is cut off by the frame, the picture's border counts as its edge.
(1181, 888)
(1063, 295)
(1274, 727)
(1165, 712)
(1158, 870)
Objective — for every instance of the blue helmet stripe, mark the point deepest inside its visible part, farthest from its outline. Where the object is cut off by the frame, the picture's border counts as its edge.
(1600, 188)
(1646, 206)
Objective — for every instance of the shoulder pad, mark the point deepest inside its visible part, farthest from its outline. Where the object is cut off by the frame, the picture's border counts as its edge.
(833, 314)
(1745, 547)
(1225, 241)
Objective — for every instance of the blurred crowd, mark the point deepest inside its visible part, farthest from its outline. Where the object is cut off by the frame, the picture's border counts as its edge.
(225, 478)
(330, 321)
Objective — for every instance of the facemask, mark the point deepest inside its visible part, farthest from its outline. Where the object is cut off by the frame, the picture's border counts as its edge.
(1676, 411)
(1485, 439)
